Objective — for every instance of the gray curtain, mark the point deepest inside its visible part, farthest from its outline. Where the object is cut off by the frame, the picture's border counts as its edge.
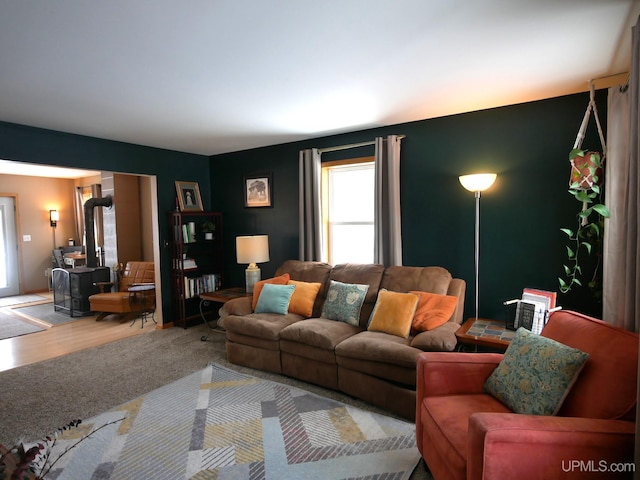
(310, 217)
(387, 220)
(79, 215)
(96, 192)
(621, 263)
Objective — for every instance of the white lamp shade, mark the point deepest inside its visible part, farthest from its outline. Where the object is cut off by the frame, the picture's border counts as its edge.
(54, 215)
(478, 182)
(252, 249)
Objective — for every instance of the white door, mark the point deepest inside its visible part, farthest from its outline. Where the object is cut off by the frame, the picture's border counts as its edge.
(9, 276)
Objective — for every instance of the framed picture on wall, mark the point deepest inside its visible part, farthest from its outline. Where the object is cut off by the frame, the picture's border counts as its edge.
(258, 190)
(189, 196)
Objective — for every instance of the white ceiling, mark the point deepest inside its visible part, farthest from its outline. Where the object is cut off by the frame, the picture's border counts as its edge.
(214, 76)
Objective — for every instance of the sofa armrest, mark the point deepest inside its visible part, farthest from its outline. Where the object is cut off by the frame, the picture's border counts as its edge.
(440, 339)
(441, 373)
(457, 288)
(505, 445)
(237, 306)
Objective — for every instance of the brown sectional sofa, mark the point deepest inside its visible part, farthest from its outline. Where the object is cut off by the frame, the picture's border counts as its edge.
(376, 367)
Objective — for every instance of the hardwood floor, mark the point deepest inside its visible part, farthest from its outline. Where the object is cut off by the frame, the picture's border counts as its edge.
(66, 338)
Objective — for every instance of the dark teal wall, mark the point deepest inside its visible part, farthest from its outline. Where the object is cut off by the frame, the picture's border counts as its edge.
(527, 145)
(521, 245)
(48, 147)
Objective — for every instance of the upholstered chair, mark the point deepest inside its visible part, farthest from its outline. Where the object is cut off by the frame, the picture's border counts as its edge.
(465, 432)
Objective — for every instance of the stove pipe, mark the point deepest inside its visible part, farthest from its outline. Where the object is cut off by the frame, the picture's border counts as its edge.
(89, 205)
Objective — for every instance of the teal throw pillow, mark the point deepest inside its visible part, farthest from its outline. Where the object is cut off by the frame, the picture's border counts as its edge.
(535, 374)
(344, 301)
(274, 298)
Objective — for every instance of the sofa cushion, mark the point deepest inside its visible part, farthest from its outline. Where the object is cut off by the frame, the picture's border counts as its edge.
(433, 310)
(426, 279)
(303, 298)
(266, 326)
(274, 299)
(393, 313)
(319, 333)
(257, 288)
(344, 301)
(379, 347)
(535, 374)
(446, 418)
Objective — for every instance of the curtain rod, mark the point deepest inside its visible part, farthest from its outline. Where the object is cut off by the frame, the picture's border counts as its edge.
(351, 145)
(607, 81)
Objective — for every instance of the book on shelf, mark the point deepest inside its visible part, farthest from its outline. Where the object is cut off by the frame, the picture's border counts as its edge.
(188, 233)
(189, 264)
(194, 286)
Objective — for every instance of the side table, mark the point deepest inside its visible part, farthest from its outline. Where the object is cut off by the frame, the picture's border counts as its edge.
(484, 332)
(219, 296)
(142, 300)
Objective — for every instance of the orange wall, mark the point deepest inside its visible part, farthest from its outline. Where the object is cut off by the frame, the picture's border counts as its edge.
(35, 196)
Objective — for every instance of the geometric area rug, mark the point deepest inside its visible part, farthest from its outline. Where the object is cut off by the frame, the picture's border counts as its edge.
(221, 424)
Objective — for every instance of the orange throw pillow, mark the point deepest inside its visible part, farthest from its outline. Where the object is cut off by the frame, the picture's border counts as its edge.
(393, 313)
(257, 288)
(303, 298)
(433, 310)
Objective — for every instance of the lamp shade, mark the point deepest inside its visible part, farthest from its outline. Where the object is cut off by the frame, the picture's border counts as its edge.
(477, 182)
(252, 249)
(54, 216)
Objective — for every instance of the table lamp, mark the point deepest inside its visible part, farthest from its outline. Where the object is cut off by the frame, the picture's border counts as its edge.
(252, 249)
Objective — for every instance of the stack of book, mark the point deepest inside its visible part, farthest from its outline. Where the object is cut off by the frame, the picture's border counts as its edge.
(189, 264)
(532, 311)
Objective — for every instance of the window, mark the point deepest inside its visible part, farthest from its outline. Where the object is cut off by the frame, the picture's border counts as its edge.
(348, 188)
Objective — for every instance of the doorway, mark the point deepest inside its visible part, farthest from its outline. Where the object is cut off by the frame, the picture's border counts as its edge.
(9, 271)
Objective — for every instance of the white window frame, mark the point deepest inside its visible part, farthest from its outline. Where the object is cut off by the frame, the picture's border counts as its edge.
(327, 222)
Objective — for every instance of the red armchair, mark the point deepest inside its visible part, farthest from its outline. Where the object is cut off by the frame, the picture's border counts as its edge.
(463, 433)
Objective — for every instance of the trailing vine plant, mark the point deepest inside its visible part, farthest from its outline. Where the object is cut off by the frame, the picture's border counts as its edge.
(36, 462)
(587, 235)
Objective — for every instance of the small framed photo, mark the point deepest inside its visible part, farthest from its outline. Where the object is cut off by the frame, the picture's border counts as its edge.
(258, 190)
(189, 196)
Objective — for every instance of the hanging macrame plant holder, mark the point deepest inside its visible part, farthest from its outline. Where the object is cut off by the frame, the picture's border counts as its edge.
(583, 167)
(585, 170)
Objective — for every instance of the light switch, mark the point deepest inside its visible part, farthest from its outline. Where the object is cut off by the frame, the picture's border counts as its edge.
(26, 238)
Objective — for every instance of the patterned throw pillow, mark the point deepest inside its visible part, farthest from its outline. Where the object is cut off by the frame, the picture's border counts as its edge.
(433, 310)
(275, 299)
(393, 313)
(535, 374)
(304, 296)
(344, 301)
(257, 288)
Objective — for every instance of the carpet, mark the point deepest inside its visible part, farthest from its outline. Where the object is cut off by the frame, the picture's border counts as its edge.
(10, 326)
(46, 313)
(18, 299)
(222, 424)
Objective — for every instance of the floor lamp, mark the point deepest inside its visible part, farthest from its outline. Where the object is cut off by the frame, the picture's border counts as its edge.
(477, 183)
